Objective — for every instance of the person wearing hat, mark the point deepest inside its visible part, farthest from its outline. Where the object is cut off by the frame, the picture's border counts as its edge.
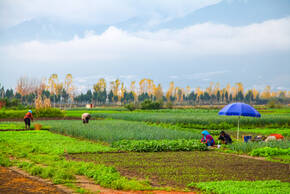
(86, 117)
(27, 118)
(207, 138)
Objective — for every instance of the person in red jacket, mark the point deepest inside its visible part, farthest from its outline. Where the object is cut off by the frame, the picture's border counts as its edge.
(27, 118)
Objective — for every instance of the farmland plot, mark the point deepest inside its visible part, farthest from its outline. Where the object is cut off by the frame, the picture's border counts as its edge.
(178, 169)
(115, 130)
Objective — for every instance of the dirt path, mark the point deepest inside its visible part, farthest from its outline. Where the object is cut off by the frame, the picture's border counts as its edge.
(14, 182)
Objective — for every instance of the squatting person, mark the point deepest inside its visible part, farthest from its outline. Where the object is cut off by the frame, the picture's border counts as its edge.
(207, 138)
(225, 138)
(27, 118)
(86, 117)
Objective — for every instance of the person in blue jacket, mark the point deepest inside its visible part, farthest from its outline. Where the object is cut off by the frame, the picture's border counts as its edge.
(207, 138)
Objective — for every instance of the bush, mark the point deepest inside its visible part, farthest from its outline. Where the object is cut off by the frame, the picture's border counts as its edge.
(149, 105)
(49, 112)
(274, 103)
(169, 105)
(131, 106)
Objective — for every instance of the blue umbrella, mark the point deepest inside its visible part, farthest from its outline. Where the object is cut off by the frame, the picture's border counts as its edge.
(239, 109)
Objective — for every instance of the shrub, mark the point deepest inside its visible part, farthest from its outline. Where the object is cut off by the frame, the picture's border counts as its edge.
(49, 112)
(169, 105)
(273, 103)
(150, 105)
(131, 106)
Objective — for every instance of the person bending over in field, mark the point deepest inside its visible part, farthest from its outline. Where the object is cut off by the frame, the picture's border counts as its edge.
(27, 118)
(86, 117)
(225, 138)
(207, 138)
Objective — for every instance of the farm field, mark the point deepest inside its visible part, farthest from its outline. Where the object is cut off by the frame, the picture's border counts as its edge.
(126, 150)
(195, 118)
(178, 169)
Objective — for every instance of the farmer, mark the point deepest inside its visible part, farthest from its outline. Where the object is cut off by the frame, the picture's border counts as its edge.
(207, 138)
(274, 137)
(28, 116)
(86, 117)
(225, 138)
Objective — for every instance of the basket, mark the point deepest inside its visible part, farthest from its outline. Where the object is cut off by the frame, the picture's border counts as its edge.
(37, 126)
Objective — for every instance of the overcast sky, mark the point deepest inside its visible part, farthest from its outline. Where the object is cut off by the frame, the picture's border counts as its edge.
(190, 42)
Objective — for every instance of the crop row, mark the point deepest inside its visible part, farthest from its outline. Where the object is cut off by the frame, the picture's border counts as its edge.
(199, 120)
(250, 146)
(159, 145)
(243, 187)
(52, 112)
(268, 151)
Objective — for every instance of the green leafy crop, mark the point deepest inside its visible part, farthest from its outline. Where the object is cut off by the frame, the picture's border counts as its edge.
(159, 145)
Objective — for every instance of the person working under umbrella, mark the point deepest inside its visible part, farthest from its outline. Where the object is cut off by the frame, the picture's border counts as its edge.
(207, 138)
(225, 138)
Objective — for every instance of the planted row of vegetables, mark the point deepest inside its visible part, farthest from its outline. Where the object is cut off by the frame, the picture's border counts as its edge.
(199, 120)
(159, 145)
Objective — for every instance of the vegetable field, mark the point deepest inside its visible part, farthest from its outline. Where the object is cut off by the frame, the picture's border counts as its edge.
(151, 150)
(200, 118)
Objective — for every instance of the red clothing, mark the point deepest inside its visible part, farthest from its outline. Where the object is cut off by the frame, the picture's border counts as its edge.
(278, 136)
(28, 116)
(208, 138)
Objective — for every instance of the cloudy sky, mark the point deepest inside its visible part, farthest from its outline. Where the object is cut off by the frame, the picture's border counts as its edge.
(190, 42)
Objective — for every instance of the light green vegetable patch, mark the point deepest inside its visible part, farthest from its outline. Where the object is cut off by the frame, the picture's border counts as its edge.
(244, 187)
(160, 145)
(116, 130)
(42, 153)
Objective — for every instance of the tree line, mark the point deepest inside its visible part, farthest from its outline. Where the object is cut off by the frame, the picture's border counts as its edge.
(62, 93)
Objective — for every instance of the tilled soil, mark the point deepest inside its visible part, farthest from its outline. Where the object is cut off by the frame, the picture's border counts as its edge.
(12, 182)
(177, 169)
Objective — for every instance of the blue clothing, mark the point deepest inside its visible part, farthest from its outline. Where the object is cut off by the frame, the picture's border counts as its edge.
(207, 138)
(210, 143)
(205, 133)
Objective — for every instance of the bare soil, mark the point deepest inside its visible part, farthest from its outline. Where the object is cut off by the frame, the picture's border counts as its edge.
(13, 182)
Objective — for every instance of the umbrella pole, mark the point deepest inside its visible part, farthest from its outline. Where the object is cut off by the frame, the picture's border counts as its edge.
(238, 128)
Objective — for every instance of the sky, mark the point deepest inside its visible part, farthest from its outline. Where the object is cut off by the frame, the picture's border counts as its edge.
(190, 42)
